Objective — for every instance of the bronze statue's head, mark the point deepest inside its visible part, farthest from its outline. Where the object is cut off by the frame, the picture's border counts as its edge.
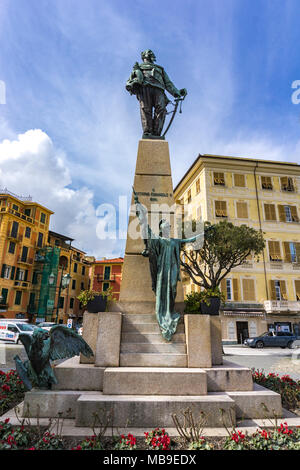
(164, 228)
(148, 55)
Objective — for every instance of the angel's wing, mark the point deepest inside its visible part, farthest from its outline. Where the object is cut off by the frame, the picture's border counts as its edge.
(64, 343)
(26, 340)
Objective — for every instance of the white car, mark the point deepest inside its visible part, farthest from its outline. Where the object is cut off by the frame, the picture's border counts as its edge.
(10, 331)
(45, 325)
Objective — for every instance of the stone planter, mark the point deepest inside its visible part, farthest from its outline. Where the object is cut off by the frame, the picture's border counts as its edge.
(211, 309)
(98, 304)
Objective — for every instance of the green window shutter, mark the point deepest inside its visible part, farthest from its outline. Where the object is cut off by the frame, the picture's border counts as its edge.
(12, 276)
(3, 269)
(4, 295)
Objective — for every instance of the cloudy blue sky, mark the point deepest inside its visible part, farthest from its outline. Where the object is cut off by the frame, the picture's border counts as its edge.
(69, 130)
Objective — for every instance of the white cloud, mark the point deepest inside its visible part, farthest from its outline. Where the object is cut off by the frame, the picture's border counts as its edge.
(31, 165)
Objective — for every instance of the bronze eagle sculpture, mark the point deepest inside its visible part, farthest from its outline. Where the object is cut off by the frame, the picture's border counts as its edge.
(41, 348)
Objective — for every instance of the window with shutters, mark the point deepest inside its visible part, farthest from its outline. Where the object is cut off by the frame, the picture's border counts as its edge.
(239, 180)
(105, 286)
(242, 210)
(24, 254)
(278, 290)
(226, 289)
(71, 302)
(14, 229)
(4, 294)
(297, 289)
(288, 213)
(292, 252)
(287, 184)
(270, 212)
(74, 284)
(11, 248)
(198, 186)
(18, 297)
(20, 276)
(248, 289)
(221, 208)
(40, 240)
(189, 196)
(219, 179)
(266, 182)
(7, 271)
(274, 251)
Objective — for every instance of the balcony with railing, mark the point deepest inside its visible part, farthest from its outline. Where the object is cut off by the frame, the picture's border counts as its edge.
(276, 306)
(22, 284)
(17, 214)
(14, 236)
(104, 278)
(27, 261)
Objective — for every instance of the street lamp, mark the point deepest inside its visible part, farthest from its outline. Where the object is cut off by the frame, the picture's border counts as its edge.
(51, 279)
(64, 283)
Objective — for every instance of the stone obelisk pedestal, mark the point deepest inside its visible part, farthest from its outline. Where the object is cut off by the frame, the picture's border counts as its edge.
(154, 186)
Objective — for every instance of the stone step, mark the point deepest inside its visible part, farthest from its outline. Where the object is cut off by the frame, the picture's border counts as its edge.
(154, 381)
(152, 360)
(152, 338)
(228, 377)
(140, 318)
(154, 411)
(177, 348)
(146, 328)
(71, 375)
(260, 403)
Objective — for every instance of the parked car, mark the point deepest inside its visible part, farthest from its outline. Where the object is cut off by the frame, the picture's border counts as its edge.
(10, 330)
(271, 339)
(45, 325)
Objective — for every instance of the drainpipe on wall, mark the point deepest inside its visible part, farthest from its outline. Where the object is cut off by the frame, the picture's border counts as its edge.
(260, 228)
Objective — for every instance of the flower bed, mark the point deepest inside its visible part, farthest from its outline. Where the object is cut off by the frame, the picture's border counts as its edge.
(288, 388)
(20, 437)
(12, 390)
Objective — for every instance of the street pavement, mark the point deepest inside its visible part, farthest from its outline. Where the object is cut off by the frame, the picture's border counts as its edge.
(277, 360)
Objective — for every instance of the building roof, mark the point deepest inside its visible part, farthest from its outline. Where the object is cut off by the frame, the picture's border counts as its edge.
(255, 161)
(110, 261)
(59, 235)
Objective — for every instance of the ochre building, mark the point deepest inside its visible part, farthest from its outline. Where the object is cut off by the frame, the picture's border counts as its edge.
(265, 195)
(24, 229)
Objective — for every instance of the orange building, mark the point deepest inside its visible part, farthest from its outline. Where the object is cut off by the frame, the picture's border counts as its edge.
(105, 274)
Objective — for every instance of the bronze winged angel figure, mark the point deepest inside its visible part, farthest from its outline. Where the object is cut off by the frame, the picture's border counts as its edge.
(41, 348)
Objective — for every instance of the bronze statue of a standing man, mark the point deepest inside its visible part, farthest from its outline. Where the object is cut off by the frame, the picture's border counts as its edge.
(148, 82)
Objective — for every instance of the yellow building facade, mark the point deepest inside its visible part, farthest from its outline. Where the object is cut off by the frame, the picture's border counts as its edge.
(24, 227)
(266, 196)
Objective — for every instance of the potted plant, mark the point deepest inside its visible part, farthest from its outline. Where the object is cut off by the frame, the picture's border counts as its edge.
(206, 302)
(94, 301)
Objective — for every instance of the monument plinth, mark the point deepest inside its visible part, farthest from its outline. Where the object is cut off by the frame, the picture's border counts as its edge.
(154, 186)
